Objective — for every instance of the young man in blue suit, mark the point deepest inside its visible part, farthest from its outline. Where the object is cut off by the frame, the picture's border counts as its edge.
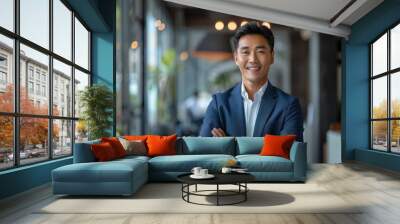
(253, 107)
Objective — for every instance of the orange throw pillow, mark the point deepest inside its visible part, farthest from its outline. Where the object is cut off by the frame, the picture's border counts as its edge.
(116, 145)
(161, 145)
(135, 137)
(103, 152)
(275, 145)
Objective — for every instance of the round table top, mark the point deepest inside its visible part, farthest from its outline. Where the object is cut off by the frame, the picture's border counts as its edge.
(220, 178)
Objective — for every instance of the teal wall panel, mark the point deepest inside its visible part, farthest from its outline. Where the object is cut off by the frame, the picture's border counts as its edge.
(356, 85)
(24, 178)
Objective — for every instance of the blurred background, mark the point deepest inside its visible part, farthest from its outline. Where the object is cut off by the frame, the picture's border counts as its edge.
(172, 58)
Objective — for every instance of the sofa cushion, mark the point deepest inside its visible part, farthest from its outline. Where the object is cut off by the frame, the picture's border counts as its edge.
(275, 145)
(116, 145)
(185, 163)
(208, 145)
(112, 171)
(161, 145)
(134, 147)
(257, 163)
(249, 145)
(103, 152)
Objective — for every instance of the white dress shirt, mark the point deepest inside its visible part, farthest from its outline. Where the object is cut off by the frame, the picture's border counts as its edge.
(251, 107)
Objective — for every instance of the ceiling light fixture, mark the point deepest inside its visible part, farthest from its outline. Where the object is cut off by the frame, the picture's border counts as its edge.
(232, 25)
(219, 25)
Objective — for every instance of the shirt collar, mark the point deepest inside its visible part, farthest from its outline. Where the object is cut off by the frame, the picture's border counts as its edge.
(259, 93)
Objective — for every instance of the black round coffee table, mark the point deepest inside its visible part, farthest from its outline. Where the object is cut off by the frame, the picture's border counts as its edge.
(238, 179)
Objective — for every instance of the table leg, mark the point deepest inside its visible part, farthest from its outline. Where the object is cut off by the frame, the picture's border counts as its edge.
(217, 194)
(196, 188)
(245, 191)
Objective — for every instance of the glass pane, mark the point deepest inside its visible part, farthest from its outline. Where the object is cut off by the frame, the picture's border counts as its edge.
(34, 92)
(395, 95)
(62, 89)
(62, 141)
(395, 136)
(379, 135)
(6, 142)
(62, 29)
(395, 47)
(6, 74)
(81, 131)
(33, 139)
(81, 81)
(379, 55)
(7, 14)
(35, 21)
(81, 45)
(379, 97)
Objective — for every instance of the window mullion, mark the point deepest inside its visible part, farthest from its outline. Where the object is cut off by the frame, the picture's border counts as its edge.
(16, 69)
(50, 81)
(73, 82)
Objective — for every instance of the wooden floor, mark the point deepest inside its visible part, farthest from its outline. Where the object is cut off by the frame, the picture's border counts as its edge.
(377, 188)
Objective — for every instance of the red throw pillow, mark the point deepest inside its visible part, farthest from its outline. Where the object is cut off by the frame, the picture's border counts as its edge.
(116, 145)
(275, 145)
(161, 145)
(103, 152)
(135, 137)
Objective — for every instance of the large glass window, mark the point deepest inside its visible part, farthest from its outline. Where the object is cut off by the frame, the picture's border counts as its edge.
(40, 61)
(6, 75)
(6, 142)
(35, 21)
(385, 96)
(62, 91)
(62, 29)
(7, 14)
(81, 45)
(43, 113)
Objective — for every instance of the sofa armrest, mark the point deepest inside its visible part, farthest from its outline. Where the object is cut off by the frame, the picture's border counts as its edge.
(83, 152)
(298, 155)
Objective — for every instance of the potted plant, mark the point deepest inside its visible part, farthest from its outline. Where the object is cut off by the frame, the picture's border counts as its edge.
(96, 102)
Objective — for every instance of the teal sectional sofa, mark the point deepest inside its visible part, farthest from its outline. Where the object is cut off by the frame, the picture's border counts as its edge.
(125, 176)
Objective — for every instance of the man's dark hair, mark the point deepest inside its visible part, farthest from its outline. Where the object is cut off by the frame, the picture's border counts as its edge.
(253, 28)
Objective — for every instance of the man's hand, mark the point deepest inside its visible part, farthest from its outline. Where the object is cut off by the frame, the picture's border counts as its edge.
(217, 132)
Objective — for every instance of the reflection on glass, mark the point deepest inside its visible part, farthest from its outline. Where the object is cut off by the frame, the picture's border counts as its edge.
(6, 142)
(379, 135)
(62, 89)
(62, 138)
(7, 14)
(379, 100)
(34, 96)
(6, 74)
(395, 47)
(81, 131)
(379, 55)
(33, 139)
(81, 81)
(81, 45)
(395, 95)
(35, 21)
(62, 29)
(395, 136)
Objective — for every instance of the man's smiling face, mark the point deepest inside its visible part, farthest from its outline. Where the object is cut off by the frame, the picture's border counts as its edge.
(254, 56)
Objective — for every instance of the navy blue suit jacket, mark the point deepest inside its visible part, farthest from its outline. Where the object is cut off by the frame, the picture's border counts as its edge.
(279, 114)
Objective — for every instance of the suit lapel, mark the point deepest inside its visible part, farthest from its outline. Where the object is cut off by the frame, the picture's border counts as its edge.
(268, 102)
(236, 103)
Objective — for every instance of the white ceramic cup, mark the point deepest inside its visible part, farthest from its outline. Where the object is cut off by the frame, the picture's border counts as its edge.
(226, 170)
(203, 172)
(196, 170)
